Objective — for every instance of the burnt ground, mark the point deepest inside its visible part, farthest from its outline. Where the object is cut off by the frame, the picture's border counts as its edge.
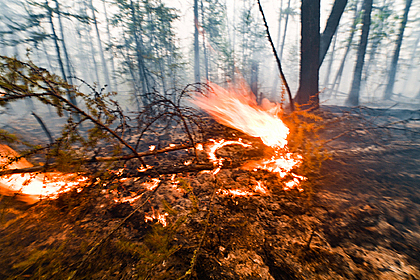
(358, 217)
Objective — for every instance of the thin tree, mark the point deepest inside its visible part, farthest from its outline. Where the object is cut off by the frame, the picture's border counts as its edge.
(111, 51)
(196, 46)
(394, 64)
(206, 59)
(275, 82)
(286, 21)
(57, 49)
(353, 98)
(337, 79)
(101, 51)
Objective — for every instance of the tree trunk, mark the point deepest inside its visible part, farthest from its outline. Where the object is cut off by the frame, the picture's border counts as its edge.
(115, 85)
(139, 55)
(330, 28)
(101, 51)
(337, 79)
(92, 47)
(353, 98)
(57, 49)
(130, 66)
(286, 21)
(63, 43)
(307, 93)
(274, 88)
(254, 79)
(206, 60)
(393, 71)
(196, 47)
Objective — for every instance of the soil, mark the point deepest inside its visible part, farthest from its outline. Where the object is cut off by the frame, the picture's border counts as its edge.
(357, 218)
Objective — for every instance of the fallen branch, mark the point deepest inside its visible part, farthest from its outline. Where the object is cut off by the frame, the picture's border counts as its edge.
(49, 167)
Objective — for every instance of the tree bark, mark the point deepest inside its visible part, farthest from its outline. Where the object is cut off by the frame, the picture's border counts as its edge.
(331, 28)
(394, 64)
(353, 98)
(307, 93)
(196, 47)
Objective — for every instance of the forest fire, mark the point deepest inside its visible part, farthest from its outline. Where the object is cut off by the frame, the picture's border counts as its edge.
(237, 107)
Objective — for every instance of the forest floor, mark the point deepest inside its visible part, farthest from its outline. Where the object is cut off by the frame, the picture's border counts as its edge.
(357, 218)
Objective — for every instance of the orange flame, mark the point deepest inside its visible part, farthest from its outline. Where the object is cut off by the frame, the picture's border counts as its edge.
(236, 107)
(33, 185)
(161, 218)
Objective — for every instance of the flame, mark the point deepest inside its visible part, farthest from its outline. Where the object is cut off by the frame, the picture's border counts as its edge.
(236, 107)
(218, 162)
(260, 188)
(234, 192)
(34, 185)
(150, 186)
(130, 200)
(161, 218)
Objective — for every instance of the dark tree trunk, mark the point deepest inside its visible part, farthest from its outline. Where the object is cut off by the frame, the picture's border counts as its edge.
(353, 98)
(330, 28)
(307, 93)
(393, 71)
(196, 47)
